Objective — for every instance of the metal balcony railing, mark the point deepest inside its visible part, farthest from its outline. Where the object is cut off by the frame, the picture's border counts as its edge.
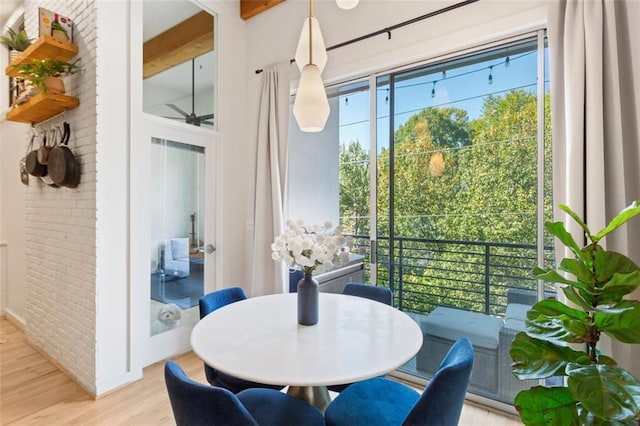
(470, 275)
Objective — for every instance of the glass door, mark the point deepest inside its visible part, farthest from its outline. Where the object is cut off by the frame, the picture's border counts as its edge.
(177, 233)
(462, 181)
(181, 232)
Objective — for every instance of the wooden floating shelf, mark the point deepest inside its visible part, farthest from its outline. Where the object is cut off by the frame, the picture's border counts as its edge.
(42, 107)
(45, 47)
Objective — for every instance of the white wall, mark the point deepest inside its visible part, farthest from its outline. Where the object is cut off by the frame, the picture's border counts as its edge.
(12, 201)
(60, 299)
(313, 196)
(236, 162)
(12, 219)
(112, 140)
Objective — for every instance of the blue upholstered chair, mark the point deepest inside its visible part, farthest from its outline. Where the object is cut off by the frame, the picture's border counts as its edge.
(379, 294)
(195, 404)
(381, 401)
(209, 303)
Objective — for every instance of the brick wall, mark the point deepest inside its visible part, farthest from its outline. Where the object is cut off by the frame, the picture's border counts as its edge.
(61, 222)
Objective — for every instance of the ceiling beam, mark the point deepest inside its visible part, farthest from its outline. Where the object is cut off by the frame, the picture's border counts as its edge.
(249, 8)
(190, 38)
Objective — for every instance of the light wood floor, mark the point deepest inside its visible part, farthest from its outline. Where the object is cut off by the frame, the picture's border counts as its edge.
(34, 392)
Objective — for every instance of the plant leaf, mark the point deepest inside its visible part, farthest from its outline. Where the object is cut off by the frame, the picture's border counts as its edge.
(571, 294)
(577, 268)
(552, 276)
(618, 286)
(558, 229)
(606, 263)
(565, 208)
(551, 307)
(607, 360)
(538, 359)
(553, 320)
(624, 326)
(547, 406)
(621, 218)
(608, 392)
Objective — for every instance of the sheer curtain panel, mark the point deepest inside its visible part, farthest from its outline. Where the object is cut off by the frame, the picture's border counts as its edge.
(594, 104)
(268, 276)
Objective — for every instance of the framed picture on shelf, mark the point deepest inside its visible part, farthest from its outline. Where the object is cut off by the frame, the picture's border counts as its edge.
(55, 25)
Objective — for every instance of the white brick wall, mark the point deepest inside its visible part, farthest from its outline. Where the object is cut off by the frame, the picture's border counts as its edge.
(61, 222)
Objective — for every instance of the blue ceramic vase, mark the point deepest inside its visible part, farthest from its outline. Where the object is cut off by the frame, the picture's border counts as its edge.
(308, 290)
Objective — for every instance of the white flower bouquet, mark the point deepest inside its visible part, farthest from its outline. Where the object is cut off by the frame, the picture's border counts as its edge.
(312, 247)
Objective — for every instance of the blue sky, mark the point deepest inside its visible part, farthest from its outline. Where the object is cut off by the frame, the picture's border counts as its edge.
(461, 87)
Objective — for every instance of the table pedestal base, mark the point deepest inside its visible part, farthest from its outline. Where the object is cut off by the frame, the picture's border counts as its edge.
(318, 396)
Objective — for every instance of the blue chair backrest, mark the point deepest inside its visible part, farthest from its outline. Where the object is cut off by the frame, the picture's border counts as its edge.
(217, 299)
(380, 294)
(295, 275)
(195, 404)
(442, 400)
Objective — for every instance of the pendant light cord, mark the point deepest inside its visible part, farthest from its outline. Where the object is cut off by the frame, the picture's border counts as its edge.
(388, 30)
(310, 32)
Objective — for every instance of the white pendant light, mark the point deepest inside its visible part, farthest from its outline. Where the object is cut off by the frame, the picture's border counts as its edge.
(319, 52)
(347, 4)
(311, 107)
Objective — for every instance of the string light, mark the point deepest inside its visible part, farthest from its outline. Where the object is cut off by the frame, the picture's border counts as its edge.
(506, 62)
(346, 100)
(433, 89)
(386, 98)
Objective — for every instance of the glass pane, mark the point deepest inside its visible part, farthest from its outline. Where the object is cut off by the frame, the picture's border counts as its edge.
(457, 205)
(355, 217)
(177, 233)
(179, 72)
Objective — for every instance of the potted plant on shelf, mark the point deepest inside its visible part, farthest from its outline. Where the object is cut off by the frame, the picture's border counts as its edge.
(16, 41)
(45, 74)
(597, 390)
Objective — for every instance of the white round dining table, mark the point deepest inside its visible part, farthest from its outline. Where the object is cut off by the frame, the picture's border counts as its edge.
(259, 339)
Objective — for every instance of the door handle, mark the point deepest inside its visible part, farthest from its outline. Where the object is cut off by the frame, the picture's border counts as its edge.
(210, 248)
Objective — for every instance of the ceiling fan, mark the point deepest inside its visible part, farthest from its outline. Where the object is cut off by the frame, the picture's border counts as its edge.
(192, 118)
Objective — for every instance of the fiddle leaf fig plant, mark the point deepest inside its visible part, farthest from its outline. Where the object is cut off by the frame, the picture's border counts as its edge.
(597, 390)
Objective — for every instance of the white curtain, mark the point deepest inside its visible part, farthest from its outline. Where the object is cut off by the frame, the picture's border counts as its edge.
(267, 276)
(595, 111)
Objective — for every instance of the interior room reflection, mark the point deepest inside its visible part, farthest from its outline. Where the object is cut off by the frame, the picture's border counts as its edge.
(177, 233)
(179, 62)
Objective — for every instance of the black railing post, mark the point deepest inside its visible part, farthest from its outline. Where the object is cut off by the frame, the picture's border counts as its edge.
(487, 254)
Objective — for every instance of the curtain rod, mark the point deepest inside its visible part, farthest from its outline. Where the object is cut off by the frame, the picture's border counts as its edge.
(387, 30)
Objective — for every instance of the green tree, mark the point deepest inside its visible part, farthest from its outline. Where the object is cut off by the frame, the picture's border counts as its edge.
(485, 191)
(354, 188)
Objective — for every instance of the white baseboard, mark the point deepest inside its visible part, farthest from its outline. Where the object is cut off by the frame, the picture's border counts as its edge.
(14, 319)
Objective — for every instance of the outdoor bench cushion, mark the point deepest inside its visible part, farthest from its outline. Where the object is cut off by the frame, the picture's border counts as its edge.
(452, 324)
(517, 311)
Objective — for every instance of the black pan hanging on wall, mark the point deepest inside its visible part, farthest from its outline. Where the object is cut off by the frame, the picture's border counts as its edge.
(192, 118)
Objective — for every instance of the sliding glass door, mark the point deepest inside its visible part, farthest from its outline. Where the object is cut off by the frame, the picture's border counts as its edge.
(444, 175)
(458, 203)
